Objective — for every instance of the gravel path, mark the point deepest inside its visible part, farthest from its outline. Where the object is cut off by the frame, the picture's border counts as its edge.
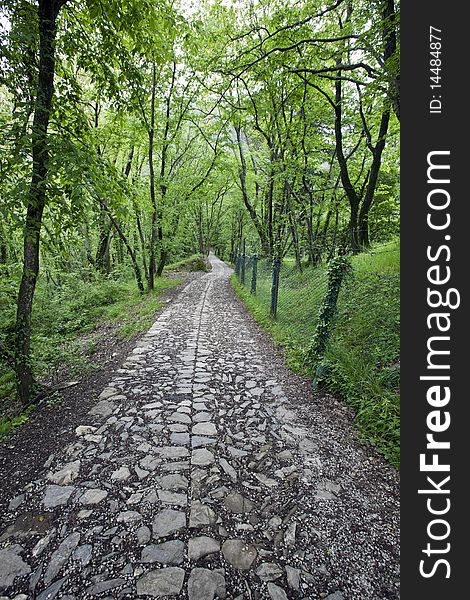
(206, 470)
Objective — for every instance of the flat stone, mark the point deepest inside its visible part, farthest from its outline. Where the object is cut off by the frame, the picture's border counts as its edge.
(149, 463)
(293, 577)
(276, 593)
(238, 504)
(172, 452)
(121, 474)
(16, 502)
(108, 392)
(129, 516)
(168, 521)
(202, 457)
(228, 469)
(172, 482)
(65, 475)
(205, 584)
(103, 408)
(177, 417)
(201, 515)
(82, 430)
(202, 546)
(197, 441)
(93, 496)
(269, 571)
(167, 553)
(204, 428)
(56, 495)
(43, 543)
(239, 554)
(104, 586)
(83, 554)
(12, 565)
(161, 582)
(51, 592)
(267, 481)
(180, 439)
(143, 534)
(178, 428)
(200, 417)
(335, 596)
(237, 452)
(60, 557)
(168, 497)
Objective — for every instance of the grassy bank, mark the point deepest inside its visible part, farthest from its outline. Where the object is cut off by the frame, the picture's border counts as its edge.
(363, 354)
(65, 316)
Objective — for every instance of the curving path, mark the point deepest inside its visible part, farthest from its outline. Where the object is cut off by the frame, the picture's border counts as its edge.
(206, 470)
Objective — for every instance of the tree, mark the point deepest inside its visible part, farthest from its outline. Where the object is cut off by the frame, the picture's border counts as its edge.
(48, 11)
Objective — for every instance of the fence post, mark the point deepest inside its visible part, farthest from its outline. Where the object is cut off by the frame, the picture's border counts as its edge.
(275, 287)
(237, 265)
(243, 265)
(254, 274)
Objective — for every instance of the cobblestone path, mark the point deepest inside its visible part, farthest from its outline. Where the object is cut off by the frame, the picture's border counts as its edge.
(200, 473)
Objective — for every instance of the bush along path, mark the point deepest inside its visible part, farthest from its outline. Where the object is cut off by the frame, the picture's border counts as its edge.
(206, 470)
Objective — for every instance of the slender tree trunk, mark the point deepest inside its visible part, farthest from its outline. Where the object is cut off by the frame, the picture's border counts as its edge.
(48, 12)
(125, 241)
(153, 231)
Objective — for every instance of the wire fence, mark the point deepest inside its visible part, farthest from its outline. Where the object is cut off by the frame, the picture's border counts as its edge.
(300, 301)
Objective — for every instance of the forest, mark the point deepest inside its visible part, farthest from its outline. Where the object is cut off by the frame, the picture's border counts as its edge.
(137, 134)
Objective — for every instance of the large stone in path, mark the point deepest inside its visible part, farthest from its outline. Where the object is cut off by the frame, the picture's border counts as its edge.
(60, 557)
(205, 428)
(172, 451)
(168, 521)
(276, 593)
(56, 495)
(65, 475)
(238, 504)
(201, 515)
(269, 571)
(103, 408)
(161, 582)
(50, 592)
(202, 457)
(93, 496)
(167, 553)
(202, 546)
(121, 474)
(205, 584)
(12, 565)
(239, 554)
(172, 482)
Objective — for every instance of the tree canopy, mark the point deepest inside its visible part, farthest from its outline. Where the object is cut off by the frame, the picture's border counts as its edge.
(136, 133)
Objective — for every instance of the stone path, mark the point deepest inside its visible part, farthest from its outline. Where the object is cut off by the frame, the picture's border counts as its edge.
(201, 474)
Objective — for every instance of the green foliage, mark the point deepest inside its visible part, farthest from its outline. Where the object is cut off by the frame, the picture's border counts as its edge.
(62, 314)
(336, 271)
(195, 262)
(9, 424)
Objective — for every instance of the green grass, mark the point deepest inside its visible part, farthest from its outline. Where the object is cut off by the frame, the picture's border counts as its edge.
(364, 347)
(195, 262)
(63, 313)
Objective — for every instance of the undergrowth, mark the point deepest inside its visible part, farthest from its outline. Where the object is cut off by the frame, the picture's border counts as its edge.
(63, 315)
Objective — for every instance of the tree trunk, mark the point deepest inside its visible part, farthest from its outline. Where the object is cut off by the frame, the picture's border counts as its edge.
(125, 241)
(153, 232)
(36, 201)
